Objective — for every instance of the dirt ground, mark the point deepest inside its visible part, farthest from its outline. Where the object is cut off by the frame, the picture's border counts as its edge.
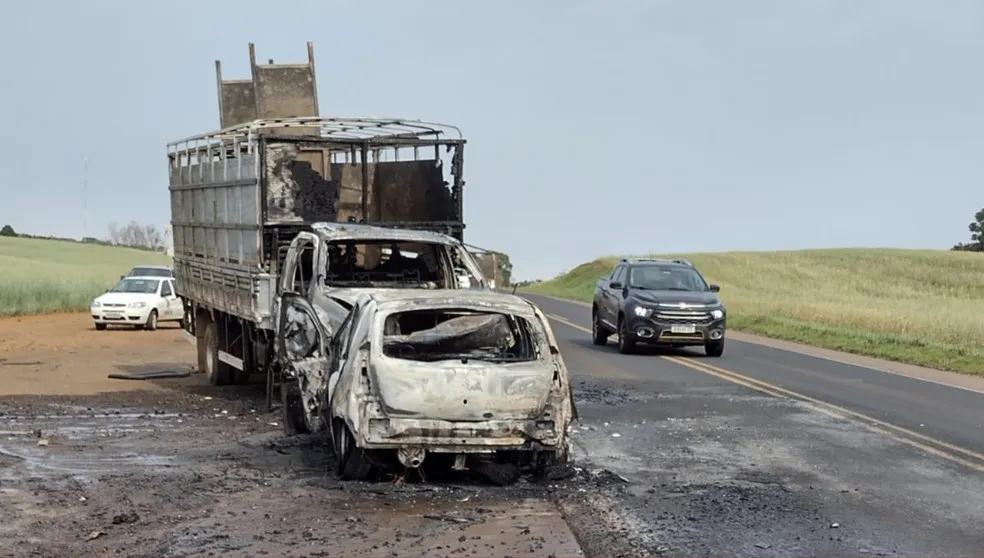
(92, 466)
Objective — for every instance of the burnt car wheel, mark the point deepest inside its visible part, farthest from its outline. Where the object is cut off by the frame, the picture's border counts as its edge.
(714, 348)
(351, 462)
(625, 345)
(599, 335)
(291, 409)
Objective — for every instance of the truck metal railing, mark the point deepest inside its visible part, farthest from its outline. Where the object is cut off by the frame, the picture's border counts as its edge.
(347, 130)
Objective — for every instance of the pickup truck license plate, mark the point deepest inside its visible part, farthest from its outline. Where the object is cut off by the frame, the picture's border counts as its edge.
(683, 329)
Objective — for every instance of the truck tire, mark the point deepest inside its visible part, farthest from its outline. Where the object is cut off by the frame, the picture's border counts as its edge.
(599, 335)
(292, 409)
(218, 372)
(714, 348)
(626, 346)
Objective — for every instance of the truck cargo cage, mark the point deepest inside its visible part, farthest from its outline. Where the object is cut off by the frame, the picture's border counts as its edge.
(232, 186)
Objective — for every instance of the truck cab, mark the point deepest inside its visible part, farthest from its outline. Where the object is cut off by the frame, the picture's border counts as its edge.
(334, 263)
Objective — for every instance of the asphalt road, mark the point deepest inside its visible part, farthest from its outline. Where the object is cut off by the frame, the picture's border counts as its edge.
(766, 452)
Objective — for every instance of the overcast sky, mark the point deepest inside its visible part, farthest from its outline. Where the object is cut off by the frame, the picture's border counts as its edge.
(594, 127)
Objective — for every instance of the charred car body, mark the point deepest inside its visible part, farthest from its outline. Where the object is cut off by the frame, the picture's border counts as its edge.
(451, 379)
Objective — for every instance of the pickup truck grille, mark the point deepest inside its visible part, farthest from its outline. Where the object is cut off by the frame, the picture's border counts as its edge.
(683, 316)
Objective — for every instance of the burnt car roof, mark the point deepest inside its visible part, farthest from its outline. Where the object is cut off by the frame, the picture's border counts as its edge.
(347, 231)
(465, 298)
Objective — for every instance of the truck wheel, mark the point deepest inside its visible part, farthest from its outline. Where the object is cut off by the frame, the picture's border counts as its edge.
(714, 348)
(292, 409)
(625, 345)
(599, 335)
(218, 372)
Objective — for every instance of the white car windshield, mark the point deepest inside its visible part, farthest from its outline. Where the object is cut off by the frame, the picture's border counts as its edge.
(141, 286)
(149, 272)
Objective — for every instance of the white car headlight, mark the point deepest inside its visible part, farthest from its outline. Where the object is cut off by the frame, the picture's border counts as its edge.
(137, 304)
(95, 304)
(717, 313)
(642, 312)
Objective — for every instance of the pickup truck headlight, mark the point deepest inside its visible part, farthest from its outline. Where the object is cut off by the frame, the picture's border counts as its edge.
(643, 312)
(717, 313)
(136, 304)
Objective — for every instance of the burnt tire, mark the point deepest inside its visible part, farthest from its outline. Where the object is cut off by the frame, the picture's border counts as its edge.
(714, 348)
(599, 335)
(351, 462)
(218, 372)
(626, 346)
(292, 409)
(151, 323)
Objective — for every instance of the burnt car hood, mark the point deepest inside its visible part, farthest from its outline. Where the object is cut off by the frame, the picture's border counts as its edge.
(673, 297)
(456, 391)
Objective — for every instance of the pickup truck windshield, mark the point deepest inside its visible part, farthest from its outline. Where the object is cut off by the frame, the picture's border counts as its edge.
(666, 278)
(385, 264)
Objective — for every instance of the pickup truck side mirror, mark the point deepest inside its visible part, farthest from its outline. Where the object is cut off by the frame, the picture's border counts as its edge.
(715, 288)
(615, 285)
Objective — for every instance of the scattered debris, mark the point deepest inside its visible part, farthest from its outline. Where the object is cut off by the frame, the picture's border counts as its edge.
(125, 518)
(763, 545)
(94, 535)
(150, 375)
(42, 442)
(449, 518)
(5, 362)
(834, 525)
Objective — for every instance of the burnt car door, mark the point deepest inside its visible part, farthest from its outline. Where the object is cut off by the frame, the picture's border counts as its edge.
(304, 356)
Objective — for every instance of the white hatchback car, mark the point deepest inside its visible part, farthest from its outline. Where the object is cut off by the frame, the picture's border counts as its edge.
(142, 302)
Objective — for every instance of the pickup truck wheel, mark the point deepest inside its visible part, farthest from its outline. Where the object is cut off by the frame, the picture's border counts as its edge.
(292, 409)
(351, 462)
(714, 348)
(599, 335)
(218, 372)
(625, 345)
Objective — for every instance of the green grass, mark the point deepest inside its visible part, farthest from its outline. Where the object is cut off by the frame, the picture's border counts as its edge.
(917, 306)
(45, 276)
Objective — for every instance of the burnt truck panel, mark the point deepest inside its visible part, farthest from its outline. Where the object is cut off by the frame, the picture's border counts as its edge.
(303, 186)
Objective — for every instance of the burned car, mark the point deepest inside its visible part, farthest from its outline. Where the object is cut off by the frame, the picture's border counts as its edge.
(448, 379)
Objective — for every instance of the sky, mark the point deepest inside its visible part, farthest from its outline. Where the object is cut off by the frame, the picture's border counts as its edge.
(593, 128)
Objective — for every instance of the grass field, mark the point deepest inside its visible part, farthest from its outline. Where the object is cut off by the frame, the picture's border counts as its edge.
(43, 276)
(920, 307)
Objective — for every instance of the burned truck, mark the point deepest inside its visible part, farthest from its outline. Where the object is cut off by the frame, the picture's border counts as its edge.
(443, 380)
(321, 207)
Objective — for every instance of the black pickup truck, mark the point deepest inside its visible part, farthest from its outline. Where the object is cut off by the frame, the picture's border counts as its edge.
(660, 302)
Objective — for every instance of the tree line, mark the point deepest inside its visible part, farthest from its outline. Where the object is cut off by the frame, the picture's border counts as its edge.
(130, 235)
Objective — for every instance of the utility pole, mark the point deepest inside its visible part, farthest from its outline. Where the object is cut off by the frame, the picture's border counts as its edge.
(85, 197)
